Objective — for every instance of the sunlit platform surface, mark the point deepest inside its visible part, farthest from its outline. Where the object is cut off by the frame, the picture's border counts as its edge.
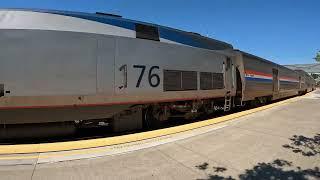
(278, 143)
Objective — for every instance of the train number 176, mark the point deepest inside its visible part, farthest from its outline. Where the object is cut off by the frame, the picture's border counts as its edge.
(153, 78)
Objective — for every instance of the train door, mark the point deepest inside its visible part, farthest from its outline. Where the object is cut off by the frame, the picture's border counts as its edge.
(233, 72)
(275, 80)
(228, 73)
(300, 83)
(239, 83)
(229, 83)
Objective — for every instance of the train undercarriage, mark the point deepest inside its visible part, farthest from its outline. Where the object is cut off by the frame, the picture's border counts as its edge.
(136, 118)
(146, 116)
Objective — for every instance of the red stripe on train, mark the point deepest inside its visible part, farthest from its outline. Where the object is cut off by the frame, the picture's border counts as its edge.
(269, 75)
(257, 73)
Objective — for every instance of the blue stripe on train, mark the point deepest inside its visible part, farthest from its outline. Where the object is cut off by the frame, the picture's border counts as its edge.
(93, 17)
(284, 81)
(258, 79)
(181, 37)
(267, 80)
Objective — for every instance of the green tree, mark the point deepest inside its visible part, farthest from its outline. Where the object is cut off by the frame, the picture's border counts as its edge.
(317, 58)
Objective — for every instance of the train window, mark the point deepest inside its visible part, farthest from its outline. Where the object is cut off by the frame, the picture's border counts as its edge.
(147, 32)
(1, 90)
(179, 80)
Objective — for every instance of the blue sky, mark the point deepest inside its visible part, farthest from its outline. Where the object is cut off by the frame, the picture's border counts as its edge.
(284, 31)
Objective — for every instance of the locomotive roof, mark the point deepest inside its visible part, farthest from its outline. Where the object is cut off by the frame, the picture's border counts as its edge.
(176, 35)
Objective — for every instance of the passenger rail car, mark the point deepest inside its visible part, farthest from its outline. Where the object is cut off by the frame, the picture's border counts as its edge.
(59, 66)
(265, 80)
(307, 82)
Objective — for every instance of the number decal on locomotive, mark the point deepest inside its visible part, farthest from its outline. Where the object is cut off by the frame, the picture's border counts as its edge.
(123, 68)
(143, 69)
(153, 78)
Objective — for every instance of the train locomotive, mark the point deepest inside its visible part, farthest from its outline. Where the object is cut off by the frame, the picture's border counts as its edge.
(67, 69)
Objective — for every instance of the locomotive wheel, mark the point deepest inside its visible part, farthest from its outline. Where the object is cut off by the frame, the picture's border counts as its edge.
(152, 117)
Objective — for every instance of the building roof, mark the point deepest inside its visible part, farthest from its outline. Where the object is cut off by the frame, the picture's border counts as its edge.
(309, 68)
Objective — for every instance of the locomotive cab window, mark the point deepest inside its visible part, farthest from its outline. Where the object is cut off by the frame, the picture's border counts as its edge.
(147, 32)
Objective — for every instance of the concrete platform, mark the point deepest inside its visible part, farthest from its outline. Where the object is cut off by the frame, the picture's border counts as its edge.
(278, 143)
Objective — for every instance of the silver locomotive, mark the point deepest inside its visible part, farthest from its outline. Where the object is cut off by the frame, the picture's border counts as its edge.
(74, 68)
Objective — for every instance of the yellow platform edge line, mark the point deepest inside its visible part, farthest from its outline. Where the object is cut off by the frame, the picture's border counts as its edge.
(93, 143)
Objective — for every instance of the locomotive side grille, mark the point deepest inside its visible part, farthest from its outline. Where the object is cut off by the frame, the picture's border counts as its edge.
(211, 81)
(171, 80)
(218, 82)
(205, 80)
(179, 80)
(189, 80)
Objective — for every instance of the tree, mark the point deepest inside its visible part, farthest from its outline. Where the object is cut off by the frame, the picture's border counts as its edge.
(317, 58)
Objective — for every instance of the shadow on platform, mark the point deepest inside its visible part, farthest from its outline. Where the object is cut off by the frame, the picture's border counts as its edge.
(305, 145)
(279, 168)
